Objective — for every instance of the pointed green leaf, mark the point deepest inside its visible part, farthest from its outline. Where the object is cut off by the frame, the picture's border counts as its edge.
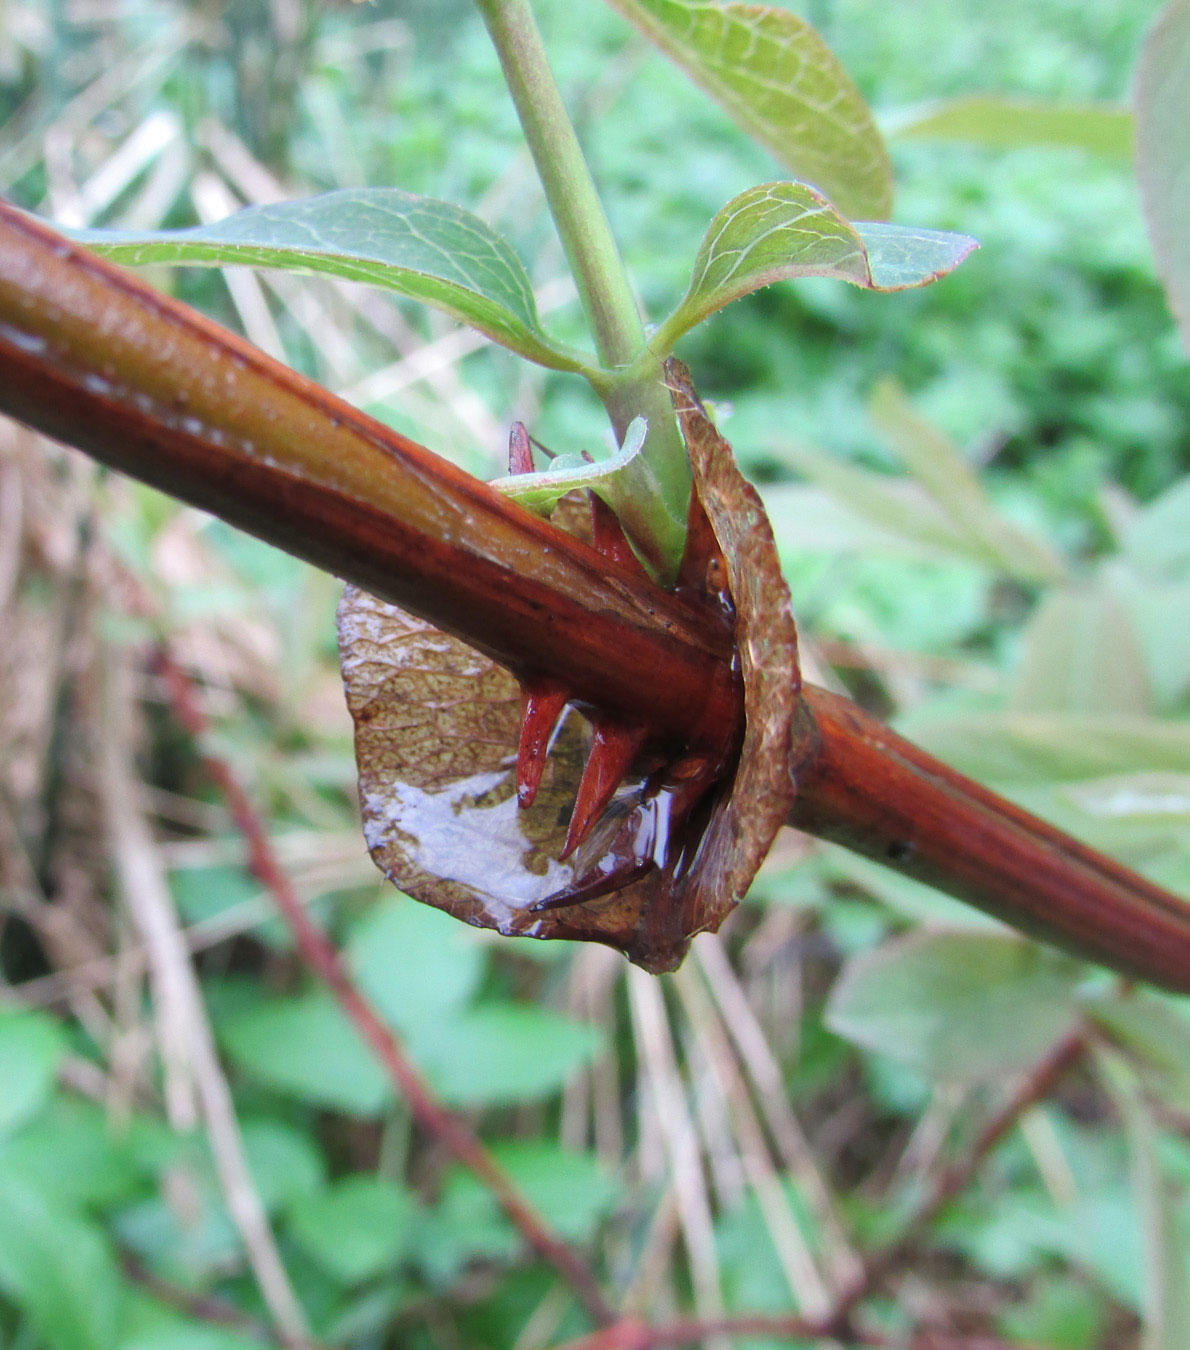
(779, 82)
(778, 231)
(305, 1047)
(939, 466)
(963, 1006)
(996, 122)
(1163, 152)
(428, 250)
(1081, 654)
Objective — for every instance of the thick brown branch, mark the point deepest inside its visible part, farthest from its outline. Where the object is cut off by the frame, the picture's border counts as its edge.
(93, 356)
(871, 790)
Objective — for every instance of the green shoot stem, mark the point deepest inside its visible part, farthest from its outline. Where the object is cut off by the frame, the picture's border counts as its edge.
(657, 482)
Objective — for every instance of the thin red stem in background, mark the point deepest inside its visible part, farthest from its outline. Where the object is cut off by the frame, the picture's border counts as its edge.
(615, 1333)
(951, 1181)
(320, 956)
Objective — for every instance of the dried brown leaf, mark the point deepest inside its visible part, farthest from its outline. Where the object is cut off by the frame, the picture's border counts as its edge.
(436, 730)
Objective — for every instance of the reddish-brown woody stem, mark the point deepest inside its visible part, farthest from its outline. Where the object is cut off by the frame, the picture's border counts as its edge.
(90, 354)
(93, 356)
(863, 786)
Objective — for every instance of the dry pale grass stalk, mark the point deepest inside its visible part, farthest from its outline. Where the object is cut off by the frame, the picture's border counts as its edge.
(186, 1038)
(805, 1281)
(778, 1116)
(663, 1085)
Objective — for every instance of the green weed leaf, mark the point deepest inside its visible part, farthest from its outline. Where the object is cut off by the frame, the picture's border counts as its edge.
(1007, 123)
(778, 231)
(1163, 152)
(359, 1227)
(305, 1047)
(31, 1046)
(60, 1269)
(502, 1053)
(416, 964)
(427, 250)
(963, 1006)
(780, 83)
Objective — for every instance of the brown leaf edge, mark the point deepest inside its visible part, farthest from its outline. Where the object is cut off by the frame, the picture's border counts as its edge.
(741, 833)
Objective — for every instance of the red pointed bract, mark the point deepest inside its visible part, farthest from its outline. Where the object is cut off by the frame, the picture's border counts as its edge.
(613, 748)
(541, 706)
(607, 534)
(520, 449)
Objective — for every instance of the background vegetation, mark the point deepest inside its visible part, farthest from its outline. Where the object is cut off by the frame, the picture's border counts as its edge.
(731, 1137)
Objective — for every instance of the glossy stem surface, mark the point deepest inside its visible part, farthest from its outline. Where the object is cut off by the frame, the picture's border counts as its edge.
(863, 786)
(91, 355)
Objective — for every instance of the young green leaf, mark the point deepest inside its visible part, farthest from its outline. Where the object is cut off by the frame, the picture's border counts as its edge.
(779, 82)
(1163, 152)
(1007, 123)
(778, 231)
(541, 492)
(428, 250)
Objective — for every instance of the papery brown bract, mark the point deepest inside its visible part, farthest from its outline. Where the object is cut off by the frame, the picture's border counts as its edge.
(740, 835)
(437, 731)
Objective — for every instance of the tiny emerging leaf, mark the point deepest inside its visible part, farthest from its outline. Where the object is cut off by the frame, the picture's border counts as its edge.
(780, 83)
(427, 250)
(778, 231)
(541, 492)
